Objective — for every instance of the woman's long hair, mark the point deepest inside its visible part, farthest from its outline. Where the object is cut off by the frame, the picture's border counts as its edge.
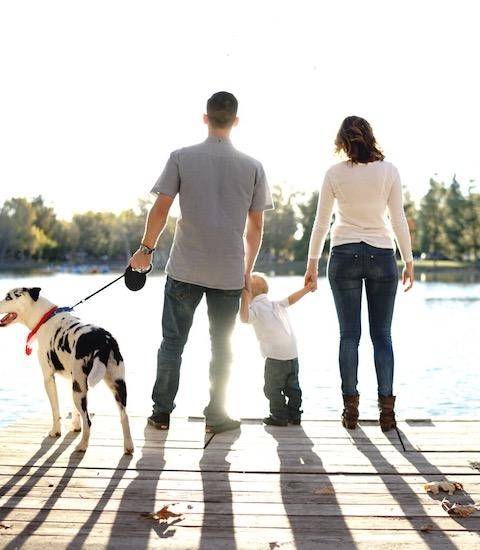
(355, 138)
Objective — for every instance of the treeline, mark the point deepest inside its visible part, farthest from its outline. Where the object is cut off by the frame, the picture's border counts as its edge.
(444, 224)
(31, 231)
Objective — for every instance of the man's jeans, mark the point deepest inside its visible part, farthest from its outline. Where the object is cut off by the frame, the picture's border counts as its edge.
(349, 265)
(281, 383)
(180, 302)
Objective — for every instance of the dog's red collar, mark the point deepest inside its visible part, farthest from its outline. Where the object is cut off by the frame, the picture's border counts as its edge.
(44, 319)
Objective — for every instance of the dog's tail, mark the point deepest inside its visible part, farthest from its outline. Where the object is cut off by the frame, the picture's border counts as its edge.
(97, 373)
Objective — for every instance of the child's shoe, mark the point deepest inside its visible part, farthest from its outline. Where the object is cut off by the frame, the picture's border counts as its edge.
(274, 421)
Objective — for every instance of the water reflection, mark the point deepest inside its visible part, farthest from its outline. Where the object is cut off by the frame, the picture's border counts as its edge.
(434, 333)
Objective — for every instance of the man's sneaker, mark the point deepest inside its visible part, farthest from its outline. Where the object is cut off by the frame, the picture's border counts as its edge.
(295, 421)
(226, 426)
(274, 421)
(161, 421)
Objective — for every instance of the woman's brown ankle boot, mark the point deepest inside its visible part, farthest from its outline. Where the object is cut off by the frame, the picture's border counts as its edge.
(350, 411)
(386, 406)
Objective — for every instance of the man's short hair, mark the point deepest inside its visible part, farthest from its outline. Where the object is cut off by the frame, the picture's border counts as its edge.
(222, 109)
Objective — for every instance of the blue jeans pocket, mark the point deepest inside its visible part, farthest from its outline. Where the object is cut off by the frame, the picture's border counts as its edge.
(382, 266)
(343, 265)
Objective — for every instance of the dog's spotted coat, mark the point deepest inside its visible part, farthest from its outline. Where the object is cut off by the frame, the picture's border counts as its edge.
(66, 346)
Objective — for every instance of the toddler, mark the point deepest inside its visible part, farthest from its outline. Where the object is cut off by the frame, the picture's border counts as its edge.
(279, 347)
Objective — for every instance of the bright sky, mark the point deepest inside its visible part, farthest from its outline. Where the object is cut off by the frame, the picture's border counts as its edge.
(96, 93)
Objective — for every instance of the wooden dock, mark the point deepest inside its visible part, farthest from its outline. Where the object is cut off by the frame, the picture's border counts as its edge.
(314, 486)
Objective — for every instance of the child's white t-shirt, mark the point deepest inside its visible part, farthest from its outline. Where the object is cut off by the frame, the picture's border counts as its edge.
(272, 327)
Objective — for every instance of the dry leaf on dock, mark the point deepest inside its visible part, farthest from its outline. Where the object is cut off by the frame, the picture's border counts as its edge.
(162, 514)
(448, 486)
(462, 510)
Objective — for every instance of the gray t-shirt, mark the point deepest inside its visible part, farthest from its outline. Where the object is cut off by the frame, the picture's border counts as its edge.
(217, 187)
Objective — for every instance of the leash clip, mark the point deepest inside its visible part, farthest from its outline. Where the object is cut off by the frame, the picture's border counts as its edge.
(62, 309)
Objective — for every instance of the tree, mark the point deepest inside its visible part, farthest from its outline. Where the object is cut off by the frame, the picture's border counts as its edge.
(455, 221)
(280, 228)
(472, 224)
(45, 221)
(411, 214)
(95, 230)
(306, 217)
(19, 216)
(432, 237)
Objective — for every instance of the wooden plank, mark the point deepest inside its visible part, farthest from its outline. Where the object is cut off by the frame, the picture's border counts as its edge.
(185, 481)
(440, 436)
(167, 537)
(348, 532)
(313, 495)
(316, 485)
(136, 522)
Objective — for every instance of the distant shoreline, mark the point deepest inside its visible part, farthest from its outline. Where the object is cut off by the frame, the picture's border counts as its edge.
(431, 270)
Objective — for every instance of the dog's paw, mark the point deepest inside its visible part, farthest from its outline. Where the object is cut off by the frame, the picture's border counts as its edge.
(75, 428)
(54, 433)
(128, 451)
(80, 448)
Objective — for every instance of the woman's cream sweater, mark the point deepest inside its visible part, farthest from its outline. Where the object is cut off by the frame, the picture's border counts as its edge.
(367, 202)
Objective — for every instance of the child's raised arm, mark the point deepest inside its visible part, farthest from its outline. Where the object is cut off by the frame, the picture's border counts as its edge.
(293, 298)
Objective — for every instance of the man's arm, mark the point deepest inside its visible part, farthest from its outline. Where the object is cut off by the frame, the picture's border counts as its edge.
(293, 298)
(154, 226)
(253, 240)
(244, 305)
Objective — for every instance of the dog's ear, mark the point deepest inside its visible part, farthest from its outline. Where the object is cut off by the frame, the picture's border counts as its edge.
(34, 293)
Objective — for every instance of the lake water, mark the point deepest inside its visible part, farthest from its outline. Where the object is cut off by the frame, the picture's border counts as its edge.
(435, 335)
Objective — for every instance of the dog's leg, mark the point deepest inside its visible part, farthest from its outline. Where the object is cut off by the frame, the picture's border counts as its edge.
(119, 390)
(76, 425)
(80, 402)
(51, 389)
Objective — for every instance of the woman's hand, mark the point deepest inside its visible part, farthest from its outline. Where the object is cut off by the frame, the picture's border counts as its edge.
(311, 275)
(407, 276)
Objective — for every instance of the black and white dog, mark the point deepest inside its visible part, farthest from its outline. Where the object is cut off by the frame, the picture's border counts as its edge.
(82, 352)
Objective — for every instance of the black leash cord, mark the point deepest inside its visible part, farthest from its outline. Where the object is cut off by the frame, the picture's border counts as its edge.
(99, 290)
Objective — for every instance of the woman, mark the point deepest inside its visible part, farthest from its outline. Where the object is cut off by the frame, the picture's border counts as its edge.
(369, 217)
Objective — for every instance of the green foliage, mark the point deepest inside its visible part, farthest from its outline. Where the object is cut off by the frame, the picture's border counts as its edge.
(445, 224)
(31, 231)
(306, 216)
(431, 226)
(280, 228)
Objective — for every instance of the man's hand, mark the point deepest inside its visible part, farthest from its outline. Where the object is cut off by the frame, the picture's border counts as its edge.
(140, 261)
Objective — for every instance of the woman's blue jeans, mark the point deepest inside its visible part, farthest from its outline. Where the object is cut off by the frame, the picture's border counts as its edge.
(349, 266)
(180, 302)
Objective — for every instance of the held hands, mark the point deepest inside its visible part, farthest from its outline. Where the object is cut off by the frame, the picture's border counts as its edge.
(311, 286)
(310, 279)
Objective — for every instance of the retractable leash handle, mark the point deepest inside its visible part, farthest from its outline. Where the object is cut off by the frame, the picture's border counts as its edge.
(135, 279)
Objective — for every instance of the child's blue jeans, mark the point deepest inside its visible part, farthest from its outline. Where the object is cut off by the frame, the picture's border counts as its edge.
(282, 388)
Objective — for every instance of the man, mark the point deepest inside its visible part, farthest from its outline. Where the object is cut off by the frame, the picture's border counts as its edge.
(223, 194)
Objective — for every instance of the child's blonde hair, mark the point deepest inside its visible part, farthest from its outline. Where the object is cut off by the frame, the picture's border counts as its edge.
(259, 284)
